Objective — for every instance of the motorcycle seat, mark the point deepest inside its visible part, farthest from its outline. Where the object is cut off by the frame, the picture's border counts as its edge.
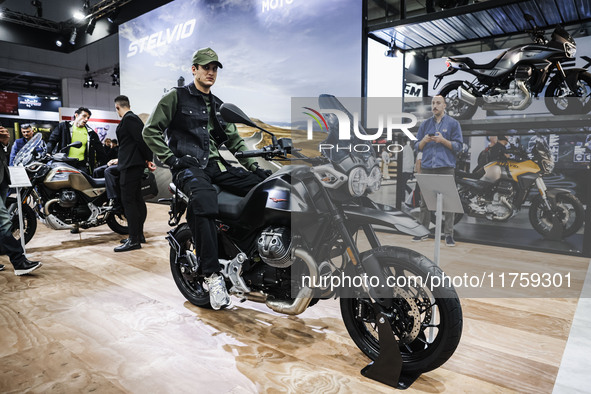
(470, 63)
(94, 182)
(229, 205)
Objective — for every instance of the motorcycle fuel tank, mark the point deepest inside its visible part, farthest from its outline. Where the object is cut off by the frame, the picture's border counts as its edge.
(64, 176)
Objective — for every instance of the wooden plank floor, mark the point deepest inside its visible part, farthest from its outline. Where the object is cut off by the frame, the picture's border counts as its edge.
(92, 320)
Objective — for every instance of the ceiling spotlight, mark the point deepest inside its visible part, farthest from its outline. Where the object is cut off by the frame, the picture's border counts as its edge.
(58, 43)
(115, 76)
(39, 6)
(392, 49)
(89, 83)
(91, 26)
(72, 39)
(79, 15)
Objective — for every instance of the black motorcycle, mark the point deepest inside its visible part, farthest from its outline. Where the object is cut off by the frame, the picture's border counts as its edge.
(512, 79)
(60, 195)
(295, 234)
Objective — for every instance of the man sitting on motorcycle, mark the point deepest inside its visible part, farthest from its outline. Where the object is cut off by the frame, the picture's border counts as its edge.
(189, 118)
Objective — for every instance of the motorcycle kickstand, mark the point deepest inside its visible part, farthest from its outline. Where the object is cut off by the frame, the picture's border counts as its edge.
(387, 367)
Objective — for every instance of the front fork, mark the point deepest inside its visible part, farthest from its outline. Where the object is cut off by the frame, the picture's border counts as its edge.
(542, 190)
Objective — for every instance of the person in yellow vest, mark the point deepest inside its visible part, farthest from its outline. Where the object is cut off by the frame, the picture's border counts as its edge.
(91, 154)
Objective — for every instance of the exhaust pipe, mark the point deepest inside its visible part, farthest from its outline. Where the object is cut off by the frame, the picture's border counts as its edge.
(52, 221)
(526, 100)
(304, 296)
(466, 96)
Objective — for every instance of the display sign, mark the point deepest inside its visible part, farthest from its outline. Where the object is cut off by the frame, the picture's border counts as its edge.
(38, 103)
(19, 177)
(8, 103)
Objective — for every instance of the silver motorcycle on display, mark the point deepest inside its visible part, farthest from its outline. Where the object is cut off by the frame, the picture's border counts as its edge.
(60, 195)
(512, 79)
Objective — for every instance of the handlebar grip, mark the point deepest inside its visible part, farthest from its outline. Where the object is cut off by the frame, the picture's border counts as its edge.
(248, 153)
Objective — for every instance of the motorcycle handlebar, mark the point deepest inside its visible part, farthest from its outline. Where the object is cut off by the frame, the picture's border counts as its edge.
(249, 153)
(267, 152)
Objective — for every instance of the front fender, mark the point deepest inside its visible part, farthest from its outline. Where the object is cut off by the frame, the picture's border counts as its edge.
(572, 76)
(552, 193)
(384, 215)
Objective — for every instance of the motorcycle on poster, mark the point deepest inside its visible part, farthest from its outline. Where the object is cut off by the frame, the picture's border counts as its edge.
(516, 76)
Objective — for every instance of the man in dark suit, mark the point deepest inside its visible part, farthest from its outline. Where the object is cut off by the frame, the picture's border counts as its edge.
(133, 156)
(8, 244)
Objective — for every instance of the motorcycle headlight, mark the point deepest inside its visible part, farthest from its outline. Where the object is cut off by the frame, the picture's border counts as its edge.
(374, 181)
(358, 181)
(548, 165)
(570, 50)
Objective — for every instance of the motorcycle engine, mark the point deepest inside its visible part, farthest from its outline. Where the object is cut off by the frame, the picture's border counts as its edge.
(517, 92)
(274, 246)
(67, 198)
(500, 208)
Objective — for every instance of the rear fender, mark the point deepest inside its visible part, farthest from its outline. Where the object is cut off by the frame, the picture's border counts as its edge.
(171, 237)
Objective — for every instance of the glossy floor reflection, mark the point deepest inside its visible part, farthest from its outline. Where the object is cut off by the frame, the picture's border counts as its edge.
(91, 320)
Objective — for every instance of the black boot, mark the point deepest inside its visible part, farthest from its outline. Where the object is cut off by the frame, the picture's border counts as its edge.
(25, 267)
(142, 240)
(130, 244)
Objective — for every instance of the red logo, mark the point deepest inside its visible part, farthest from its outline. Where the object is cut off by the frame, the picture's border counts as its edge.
(278, 199)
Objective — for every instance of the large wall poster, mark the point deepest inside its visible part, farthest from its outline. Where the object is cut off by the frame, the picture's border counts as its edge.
(271, 51)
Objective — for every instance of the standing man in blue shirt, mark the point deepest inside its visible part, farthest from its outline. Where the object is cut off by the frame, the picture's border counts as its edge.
(440, 139)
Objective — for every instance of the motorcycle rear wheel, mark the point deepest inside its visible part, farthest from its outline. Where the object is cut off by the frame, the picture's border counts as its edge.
(559, 104)
(118, 223)
(190, 286)
(29, 220)
(440, 314)
(569, 209)
(457, 108)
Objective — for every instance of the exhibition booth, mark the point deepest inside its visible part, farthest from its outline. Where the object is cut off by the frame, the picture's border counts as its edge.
(329, 96)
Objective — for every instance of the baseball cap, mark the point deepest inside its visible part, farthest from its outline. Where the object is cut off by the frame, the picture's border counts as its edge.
(502, 138)
(205, 56)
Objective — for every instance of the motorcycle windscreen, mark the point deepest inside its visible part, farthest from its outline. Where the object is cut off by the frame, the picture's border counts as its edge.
(341, 146)
(28, 152)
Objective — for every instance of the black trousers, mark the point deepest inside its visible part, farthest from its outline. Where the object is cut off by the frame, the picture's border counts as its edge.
(132, 201)
(8, 244)
(111, 175)
(203, 204)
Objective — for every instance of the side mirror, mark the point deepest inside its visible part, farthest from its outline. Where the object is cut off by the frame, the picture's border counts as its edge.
(76, 144)
(233, 114)
(285, 144)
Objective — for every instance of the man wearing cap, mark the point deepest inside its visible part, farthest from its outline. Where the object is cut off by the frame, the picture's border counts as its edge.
(185, 131)
(27, 130)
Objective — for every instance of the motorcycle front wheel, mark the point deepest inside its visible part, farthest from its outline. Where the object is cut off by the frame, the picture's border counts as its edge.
(29, 220)
(457, 108)
(567, 208)
(189, 284)
(427, 323)
(118, 223)
(559, 103)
